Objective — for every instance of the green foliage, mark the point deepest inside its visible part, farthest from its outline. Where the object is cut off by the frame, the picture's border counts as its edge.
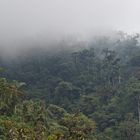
(91, 93)
(79, 126)
(9, 94)
(129, 128)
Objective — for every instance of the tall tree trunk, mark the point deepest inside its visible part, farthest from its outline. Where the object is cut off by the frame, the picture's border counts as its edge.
(119, 79)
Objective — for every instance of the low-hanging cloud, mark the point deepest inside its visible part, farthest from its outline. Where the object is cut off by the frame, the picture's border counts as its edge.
(26, 19)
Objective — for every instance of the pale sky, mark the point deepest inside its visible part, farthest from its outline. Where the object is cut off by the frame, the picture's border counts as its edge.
(25, 18)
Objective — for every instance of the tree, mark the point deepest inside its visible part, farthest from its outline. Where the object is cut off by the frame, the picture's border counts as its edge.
(133, 95)
(66, 94)
(80, 127)
(9, 96)
(129, 128)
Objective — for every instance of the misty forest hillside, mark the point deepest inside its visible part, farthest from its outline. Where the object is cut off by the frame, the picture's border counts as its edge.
(87, 91)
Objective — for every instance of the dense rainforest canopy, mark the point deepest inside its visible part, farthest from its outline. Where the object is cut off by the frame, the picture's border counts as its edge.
(91, 93)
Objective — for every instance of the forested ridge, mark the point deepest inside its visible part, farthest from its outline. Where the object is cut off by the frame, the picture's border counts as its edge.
(90, 93)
